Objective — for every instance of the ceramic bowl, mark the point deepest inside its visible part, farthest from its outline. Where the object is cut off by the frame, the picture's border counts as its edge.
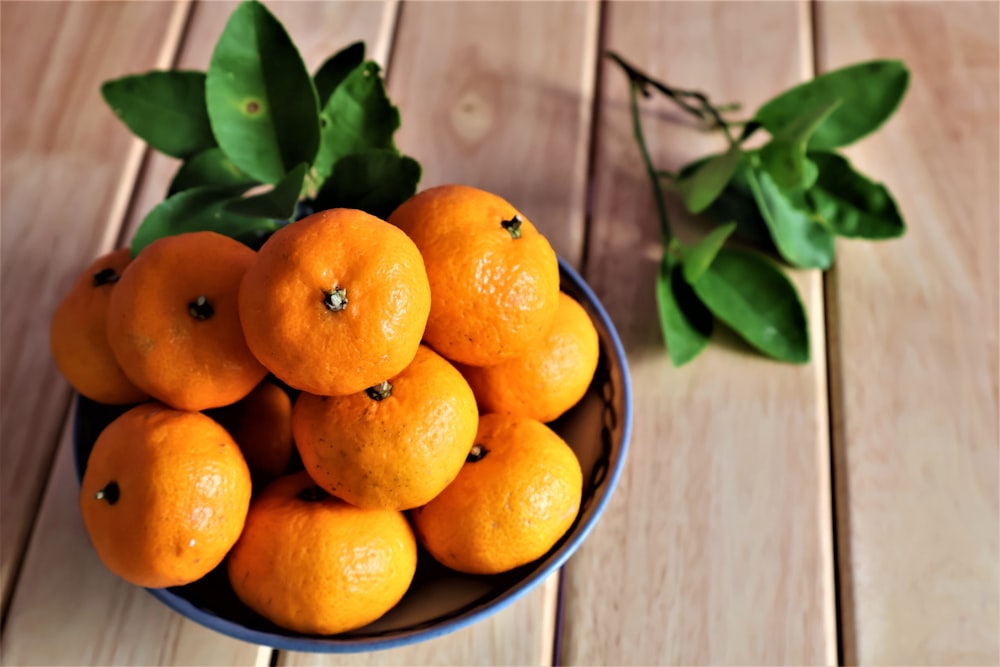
(439, 600)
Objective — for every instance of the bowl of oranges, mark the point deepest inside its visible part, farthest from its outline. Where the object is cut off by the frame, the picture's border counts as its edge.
(364, 434)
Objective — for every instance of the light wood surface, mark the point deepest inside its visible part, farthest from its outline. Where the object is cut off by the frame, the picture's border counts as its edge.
(718, 545)
(66, 173)
(915, 322)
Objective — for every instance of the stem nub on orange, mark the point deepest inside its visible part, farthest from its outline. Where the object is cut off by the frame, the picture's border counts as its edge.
(335, 302)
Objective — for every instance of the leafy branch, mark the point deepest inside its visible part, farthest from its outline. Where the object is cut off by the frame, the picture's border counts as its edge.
(795, 194)
(256, 120)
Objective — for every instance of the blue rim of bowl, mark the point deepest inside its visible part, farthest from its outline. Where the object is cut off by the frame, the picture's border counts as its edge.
(347, 644)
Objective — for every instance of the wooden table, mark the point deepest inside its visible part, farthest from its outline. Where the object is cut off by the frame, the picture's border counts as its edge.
(846, 510)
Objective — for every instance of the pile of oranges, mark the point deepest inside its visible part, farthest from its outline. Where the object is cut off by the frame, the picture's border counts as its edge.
(310, 412)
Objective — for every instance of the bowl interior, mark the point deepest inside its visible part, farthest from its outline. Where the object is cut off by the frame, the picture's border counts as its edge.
(439, 600)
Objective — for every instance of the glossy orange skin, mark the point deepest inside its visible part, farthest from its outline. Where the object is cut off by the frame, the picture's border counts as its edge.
(261, 424)
(320, 566)
(508, 508)
(493, 295)
(183, 495)
(78, 334)
(334, 353)
(185, 362)
(395, 453)
(548, 379)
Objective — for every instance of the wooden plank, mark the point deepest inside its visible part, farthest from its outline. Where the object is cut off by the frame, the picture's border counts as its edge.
(61, 568)
(716, 548)
(492, 96)
(915, 368)
(66, 171)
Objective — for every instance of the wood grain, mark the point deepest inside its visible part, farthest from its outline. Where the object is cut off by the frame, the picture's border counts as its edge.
(716, 548)
(915, 367)
(499, 95)
(488, 94)
(65, 163)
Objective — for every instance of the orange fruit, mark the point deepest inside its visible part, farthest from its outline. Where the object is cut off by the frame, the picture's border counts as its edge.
(548, 379)
(173, 323)
(517, 494)
(311, 563)
(261, 424)
(164, 496)
(494, 279)
(335, 302)
(78, 334)
(395, 445)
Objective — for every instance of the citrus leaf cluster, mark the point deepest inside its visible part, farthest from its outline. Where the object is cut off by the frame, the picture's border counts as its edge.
(260, 139)
(791, 198)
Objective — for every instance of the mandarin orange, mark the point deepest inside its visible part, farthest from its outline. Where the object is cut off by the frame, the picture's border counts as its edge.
(494, 278)
(164, 495)
(314, 564)
(335, 302)
(173, 322)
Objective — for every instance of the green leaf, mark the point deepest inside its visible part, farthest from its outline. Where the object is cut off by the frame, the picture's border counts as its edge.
(754, 298)
(800, 239)
(209, 167)
(376, 182)
(164, 109)
(851, 204)
(700, 188)
(685, 322)
(336, 69)
(261, 100)
(736, 203)
(200, 209)
(358, 117)
(699, 257)
(870, 91)
(278, 202)
(784, 156)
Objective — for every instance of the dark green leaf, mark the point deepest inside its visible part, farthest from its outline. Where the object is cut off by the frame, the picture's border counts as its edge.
(278, 202)
(209, 167)
(784, 156)
(685, 322)
(357, 118)
(851, 204)
(164, 109)
(801, 240)
(200, 209)
(735, 203)
(752, 296)
(699, 257)
(700, 188)
(261, 99)
(870, 91)
(336, 69)
(376, 182)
